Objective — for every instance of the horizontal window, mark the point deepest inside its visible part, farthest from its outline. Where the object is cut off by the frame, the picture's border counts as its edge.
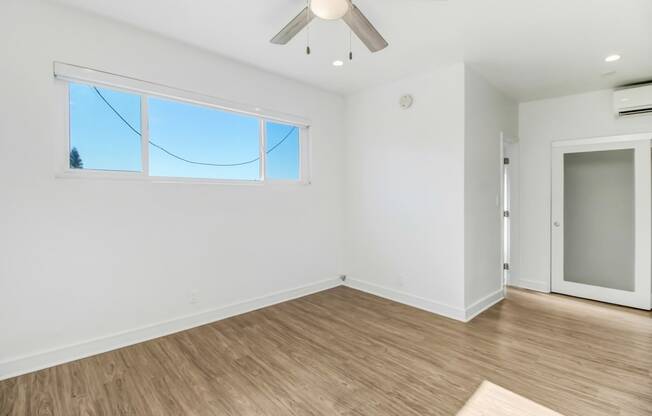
(113, 130)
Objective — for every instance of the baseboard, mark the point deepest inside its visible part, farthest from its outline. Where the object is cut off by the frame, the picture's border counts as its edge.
(483, 304)
(408, 299)
(34, 362)
(536, 285)
(464, 315)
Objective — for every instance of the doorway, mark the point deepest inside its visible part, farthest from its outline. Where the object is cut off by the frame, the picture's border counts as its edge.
(507, 216)
(509, 213)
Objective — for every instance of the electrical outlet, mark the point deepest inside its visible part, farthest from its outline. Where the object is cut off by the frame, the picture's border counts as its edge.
(193, 298)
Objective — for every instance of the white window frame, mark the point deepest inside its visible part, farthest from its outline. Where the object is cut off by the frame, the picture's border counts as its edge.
(144, 89)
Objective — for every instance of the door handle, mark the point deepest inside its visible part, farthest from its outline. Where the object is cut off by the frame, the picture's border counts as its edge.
(556, 224)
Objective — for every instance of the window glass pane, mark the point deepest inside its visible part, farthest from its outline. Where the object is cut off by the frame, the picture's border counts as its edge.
(99, 139)
(199, 142)
(282, 151)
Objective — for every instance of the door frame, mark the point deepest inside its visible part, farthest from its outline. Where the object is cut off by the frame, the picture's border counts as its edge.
(642, 296)
(506, 241)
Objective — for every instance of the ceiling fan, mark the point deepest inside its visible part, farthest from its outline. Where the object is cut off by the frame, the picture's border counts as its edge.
(334, 10)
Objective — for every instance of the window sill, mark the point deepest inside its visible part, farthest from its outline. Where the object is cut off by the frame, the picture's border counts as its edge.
(140, 177)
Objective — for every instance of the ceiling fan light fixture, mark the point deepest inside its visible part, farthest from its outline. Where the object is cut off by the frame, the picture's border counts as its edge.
(330, 9)
(333, 10)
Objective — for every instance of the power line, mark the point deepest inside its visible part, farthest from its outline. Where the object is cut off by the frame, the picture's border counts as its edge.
(158, 146)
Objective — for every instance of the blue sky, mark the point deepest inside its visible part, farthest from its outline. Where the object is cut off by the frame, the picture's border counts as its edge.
(195, 133)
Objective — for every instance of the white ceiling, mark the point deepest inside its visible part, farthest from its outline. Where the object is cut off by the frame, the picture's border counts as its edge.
(528, 48)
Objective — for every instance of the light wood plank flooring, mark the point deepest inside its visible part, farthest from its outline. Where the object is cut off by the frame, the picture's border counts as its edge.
(344, 352)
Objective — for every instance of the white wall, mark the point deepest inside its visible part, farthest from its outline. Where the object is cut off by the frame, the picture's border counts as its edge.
(422, 221)
(489, 115)
(540, 123)
(81, 258)
(405, 191)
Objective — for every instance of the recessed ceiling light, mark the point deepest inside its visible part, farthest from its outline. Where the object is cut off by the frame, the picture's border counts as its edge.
(612, 58)
(338, 63)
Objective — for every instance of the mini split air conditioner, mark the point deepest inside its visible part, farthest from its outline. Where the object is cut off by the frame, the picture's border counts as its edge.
(631, 101)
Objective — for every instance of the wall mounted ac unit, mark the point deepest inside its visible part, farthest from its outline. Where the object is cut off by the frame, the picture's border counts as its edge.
(631, 101)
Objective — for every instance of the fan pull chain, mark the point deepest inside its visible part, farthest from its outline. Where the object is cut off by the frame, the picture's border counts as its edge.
(350, 45)
(308, 28)
(308, 42)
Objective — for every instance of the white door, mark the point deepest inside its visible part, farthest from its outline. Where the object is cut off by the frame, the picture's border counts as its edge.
(601, 219)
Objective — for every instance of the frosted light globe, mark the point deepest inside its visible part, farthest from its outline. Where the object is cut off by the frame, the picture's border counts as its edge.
(329, 9)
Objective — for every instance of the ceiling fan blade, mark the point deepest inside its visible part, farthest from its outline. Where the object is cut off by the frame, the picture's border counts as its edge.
(363, 28)
(295, 26)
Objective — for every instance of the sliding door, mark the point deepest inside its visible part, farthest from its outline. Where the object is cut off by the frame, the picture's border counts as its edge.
(601, 220)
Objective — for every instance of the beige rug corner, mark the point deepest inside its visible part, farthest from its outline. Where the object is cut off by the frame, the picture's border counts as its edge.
(493, 400)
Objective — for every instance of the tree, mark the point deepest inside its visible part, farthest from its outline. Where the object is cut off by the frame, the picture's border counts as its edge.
(75, 160)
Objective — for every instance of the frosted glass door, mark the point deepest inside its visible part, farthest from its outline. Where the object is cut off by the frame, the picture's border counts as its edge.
(601, 222)
(599, 218)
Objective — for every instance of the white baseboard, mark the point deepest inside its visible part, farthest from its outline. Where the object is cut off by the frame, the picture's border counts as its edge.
(483, 304)
(536, 285)
(408, 299)
(464, 315)
(33, 362)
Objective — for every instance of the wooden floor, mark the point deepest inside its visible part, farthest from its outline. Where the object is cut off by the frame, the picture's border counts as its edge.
(343, 352)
